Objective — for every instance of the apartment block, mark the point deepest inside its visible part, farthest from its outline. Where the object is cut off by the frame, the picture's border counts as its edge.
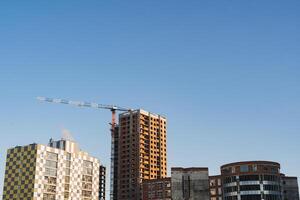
(215, 185)
(190, 183)
(59, 170)
(155, 189)
(142, 152)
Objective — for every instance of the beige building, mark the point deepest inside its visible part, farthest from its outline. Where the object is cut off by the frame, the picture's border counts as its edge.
(59, 171)
(142, 152)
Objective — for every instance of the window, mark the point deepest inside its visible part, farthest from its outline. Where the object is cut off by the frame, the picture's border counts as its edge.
(52, 156)
(50, 188)
(68, 171)
(87, 186)
(50, 163)
(272, 187)
(213, 192)
(86, 178)
(49, 197)
(212, 182)
(271, 178)
(254, 168)
(68, 163)
(272, 197)
(249, 178)
(219, 190)
(249, 187)
(50, 172)
(230, 189)
(251, 197)
(230, 179)
(244, 168)
(50, 180)
(219, 182)
(86, 193)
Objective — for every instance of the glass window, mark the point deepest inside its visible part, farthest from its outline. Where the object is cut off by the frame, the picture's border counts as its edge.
(86, 178)
(87, 164)
(50, 188)
(68, 156)
(219, 190)
(50, 180)
(50, 172)
(219, 182)
(87, 171)
(67, 170)
(50, 163)
(52, 156)
(244, 168)
(68, 163)
(254, 168)
(48, 196)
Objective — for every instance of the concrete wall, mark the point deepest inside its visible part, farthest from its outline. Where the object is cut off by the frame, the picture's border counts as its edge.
(190, 184)
(290, 189)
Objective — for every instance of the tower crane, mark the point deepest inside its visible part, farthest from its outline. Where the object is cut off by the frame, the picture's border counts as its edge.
(112, 108)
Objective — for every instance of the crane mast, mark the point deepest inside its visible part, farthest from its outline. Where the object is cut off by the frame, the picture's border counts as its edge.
(112, 108)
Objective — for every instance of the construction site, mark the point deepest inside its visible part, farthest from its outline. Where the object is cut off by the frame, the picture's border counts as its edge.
(138, 147)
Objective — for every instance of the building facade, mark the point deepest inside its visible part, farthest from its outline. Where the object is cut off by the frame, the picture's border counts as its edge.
(254, 180)
(114, 168)
(102, 184)
(156, 189)
(190, 183)
(216, 187)
(59, 171)
(142, 152)
(289, 186)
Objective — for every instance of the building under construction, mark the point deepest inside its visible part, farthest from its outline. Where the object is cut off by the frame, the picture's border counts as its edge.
(138, 148)
(140, 152)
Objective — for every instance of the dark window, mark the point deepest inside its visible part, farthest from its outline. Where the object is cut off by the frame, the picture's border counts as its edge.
(250, 197)
(272, 187)
(230, 189)
(272, 197)
(249, 178)
(231, 198)
(230, 179)
(271, 178)
(249, 187)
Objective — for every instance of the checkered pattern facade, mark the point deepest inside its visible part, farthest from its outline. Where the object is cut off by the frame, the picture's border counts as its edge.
(40, 172)
(20, 173)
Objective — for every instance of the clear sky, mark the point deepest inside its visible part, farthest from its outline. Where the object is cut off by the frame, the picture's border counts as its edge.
(226, 74)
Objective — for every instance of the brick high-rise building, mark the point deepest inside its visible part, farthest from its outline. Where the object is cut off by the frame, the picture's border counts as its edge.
(142, 152)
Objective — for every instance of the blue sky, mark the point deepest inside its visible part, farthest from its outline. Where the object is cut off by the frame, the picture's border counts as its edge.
(226, 74)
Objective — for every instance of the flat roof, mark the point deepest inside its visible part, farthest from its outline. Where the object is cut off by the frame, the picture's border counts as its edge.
(190, 168)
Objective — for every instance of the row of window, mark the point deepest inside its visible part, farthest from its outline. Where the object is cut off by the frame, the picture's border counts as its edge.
(252, 178)
(250, 168)
(251, 188)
